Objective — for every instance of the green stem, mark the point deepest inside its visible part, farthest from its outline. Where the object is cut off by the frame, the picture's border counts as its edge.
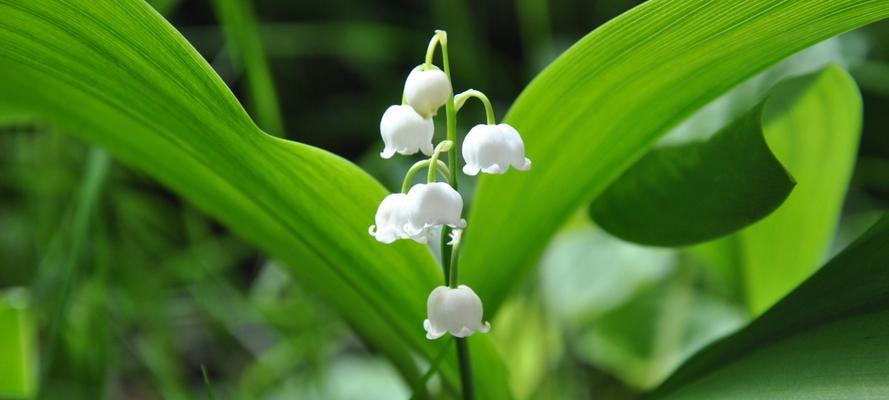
(446, 256)
(409, 177)
(461, 98)
(445, 145)
(439, 37)
(448, 260)
(451, 111)
(451, 280)
(465, 369)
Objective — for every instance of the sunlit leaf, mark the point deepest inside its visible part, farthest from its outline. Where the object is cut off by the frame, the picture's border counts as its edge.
(115, 73)
(594, 111)
(815, 133)
(242, 31)
(825, 340)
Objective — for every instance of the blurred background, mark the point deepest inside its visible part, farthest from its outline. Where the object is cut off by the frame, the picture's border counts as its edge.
(130, 292)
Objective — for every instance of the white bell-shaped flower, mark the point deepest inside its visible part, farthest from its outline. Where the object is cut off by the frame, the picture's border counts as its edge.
(427, 90)
(458, 311)
(492, 149)
(405, 132)
(391, 219)
(432, 205)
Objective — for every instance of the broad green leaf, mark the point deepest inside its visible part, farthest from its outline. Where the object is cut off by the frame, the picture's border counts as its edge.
(694, 192)
(844, 50)
(825, 340)
(240, 26)
(595, 110)
(18, 371)
(115, 73)
(815, 135)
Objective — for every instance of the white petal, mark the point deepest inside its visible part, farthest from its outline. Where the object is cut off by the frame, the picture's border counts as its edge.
(426, 148)
(387, 152)
(432, 332)
(463, 332)
(391, 218)
(458, 311)
(405, 132)
(525, 166)
(433, 205)
(492, 149)
(427, 90)
(470, 170)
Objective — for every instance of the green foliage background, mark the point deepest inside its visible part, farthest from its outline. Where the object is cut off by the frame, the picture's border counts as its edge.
(152, 227)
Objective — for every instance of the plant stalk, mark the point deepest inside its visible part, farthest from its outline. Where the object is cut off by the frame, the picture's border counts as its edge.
(409, 177)
(446, 253)
(465, 368)
(461, 98)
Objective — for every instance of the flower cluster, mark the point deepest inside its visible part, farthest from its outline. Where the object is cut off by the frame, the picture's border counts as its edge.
(413, 215)
(420, 209)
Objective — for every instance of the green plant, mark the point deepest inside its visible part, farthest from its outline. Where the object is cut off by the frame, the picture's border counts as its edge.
(117, 74)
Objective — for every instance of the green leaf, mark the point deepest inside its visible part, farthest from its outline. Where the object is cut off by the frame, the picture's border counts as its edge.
(826, 339)
(694, 192)
(117, 74)
(19, 367)
(240, 26)
(815, 134)
(595, 111)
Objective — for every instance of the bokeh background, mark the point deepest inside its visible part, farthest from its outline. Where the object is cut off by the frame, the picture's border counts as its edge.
(132, 291)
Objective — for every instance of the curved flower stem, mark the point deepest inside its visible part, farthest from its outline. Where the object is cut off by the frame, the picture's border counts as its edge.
(461, 98)
(445, 145)
(409, 177)
(439, 37)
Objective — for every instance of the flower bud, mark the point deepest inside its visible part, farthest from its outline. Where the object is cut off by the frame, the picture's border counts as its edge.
(432, 205)
(405, 132)
(458, 311)
(427, 90)
(492, 149)
(391, 219)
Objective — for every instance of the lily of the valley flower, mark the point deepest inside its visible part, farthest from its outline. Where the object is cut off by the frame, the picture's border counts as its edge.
(432, 205)
(405, 132)
(492, 149)
(455, 310)
(391, 218)
(426, 90)
(415, 215)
